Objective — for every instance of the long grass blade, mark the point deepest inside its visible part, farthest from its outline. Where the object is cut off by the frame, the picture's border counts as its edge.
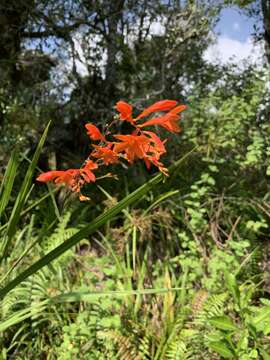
(90, 296)
(21, 198)
(23, 314)
(43, 233)
(36, 309)
(7, 182)
(32, 206)
(160, 199)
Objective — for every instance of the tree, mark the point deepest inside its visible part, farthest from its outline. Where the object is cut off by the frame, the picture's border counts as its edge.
(260, 10)
(131, 49)
(266, 23)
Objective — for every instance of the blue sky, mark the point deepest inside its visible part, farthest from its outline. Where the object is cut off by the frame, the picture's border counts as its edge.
(234, 39)
(235, 25)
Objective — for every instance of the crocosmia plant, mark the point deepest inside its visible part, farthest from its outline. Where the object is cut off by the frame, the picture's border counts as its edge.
(140, 143)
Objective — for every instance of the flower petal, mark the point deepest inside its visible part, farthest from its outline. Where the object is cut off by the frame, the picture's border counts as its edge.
(106, 154)
(91, 165)
(168, 121)
(50, 175)
(84, 198)
(125, 111)
(178, 109)
(88, 175)
(159, 145)
(93, 132)
(163, 105)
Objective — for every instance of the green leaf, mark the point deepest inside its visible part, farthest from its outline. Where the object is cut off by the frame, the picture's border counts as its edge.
(232, 287)
(222, 349)
(253, 354)
(266, 329)
(7, 182)
(223, 323)
(265, 355)
(262, 317)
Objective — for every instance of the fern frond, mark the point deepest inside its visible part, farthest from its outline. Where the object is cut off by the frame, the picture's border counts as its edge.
(177, 350)
(144, 348)
(126, 349)
(213, 306)
(199, 301)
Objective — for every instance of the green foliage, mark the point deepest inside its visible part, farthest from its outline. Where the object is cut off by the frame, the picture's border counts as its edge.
(232, 127)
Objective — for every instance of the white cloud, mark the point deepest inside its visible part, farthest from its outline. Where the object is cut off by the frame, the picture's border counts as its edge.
(230, 50)
(157, 27)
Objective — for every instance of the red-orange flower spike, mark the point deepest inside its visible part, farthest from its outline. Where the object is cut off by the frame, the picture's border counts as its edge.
(125, 111)
(140, 144)
(106, 154)
(163, 105)
(94, 133)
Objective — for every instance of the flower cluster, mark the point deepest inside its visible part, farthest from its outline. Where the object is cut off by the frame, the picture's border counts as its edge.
(139, 144)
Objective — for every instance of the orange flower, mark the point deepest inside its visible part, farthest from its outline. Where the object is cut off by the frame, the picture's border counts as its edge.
(94, 132)
(155, 150)
(146, 146)
(132, 145)
(125, 111)
(163, 105)
(157, 147)
(178, 109)
(67, 177)
(160, 166)
(50, 175)
(168, 121)
(108, 155)
(73, 178)
(86, 172)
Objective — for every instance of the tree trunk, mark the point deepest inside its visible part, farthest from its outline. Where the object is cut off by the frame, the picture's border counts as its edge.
(13, 19)
(266, 23)
(113, 38)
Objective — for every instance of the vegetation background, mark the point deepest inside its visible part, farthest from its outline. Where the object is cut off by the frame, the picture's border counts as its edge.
(172, 270)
